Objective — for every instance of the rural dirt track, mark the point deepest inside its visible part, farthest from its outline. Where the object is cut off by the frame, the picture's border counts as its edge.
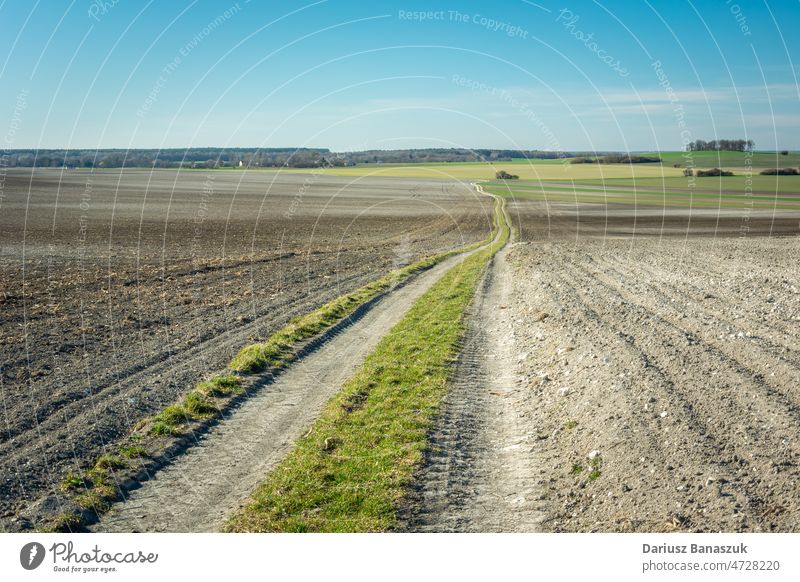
(475, 474)
(624, 385)
(203, 486)
(124, 288)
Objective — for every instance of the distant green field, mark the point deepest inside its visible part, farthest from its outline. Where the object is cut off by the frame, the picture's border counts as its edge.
(736, 184)
(562, 169)
(539, 170)
(727, 159)
(663, 199)
(606, 189)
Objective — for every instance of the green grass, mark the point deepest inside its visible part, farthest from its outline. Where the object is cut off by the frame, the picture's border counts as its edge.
(555, 169)
(161, 428)
(72, 481)
(93, 489)
(664, 199)
(65, 521)
(221, 385)
(560, 170)
(596, 464)
(92, 500)
(563, 170)
(109, 462)
(736, 184)
(352, 469)
(198, 404)
(132, 451)
(644, 193)
(728, 159)
(278, 350)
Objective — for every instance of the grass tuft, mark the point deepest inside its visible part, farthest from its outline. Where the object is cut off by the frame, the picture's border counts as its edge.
(197, 406)
(64, 522)
(109, 462)
(92, 500)
(595, 473)
(72, 482)
(173, 415)
(133, 452)
(219, 386)
(161, 428)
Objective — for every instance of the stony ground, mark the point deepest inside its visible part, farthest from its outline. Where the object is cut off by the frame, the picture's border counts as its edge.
(660, 382)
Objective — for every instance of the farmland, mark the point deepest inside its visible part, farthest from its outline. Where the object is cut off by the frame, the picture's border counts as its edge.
(658, 382)
(121, 289)
(630, 365)
(582, 372)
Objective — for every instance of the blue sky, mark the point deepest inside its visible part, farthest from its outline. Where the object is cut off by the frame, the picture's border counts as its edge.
(357, 75)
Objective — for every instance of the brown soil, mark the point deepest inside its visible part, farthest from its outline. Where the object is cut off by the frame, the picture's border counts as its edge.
(537, 221)
(120, 290)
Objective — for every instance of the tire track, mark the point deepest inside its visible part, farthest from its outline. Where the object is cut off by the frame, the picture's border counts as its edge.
(476, 475)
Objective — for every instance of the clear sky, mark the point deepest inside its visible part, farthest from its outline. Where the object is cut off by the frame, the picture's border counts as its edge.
(610, 75)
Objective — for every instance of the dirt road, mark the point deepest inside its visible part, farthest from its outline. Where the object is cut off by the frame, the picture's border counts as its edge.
(201, 488)
(121, 289)
(475, 476)
(653, 386)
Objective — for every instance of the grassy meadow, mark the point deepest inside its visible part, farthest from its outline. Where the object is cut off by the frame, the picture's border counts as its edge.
(660, 184)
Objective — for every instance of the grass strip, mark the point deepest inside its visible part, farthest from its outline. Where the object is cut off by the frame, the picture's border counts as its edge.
(278, 351)
(352, 469)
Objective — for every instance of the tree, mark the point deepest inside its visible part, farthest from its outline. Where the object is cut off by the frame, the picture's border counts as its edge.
(503, 175)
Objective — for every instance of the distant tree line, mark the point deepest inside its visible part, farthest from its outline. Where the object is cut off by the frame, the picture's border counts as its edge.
(318, 157)
(258, 157)
(733, 145)
(708, 173)
(174, 158)
(434, 155)
(781, 172)
(616, 159)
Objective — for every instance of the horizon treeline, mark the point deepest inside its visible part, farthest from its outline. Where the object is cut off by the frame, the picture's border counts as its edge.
(255, 157)
(731, 145)
(214, 157)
